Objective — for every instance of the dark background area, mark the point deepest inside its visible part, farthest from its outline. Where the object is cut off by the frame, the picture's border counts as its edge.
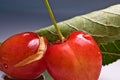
(29, 15)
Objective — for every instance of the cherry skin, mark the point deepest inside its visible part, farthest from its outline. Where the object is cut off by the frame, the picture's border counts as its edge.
(17, 55)
(78, 58)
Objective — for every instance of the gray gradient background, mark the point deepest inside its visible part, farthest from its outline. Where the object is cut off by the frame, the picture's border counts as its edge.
(29, 15)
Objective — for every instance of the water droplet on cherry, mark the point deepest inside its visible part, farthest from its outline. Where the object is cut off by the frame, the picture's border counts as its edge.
(5, 65)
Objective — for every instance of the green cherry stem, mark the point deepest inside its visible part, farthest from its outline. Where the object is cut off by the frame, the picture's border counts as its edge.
(53, 20)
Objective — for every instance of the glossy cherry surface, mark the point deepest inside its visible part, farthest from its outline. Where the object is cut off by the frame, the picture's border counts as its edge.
(17, 48)
(78, 58)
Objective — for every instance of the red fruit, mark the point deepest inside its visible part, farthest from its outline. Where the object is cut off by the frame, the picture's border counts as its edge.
(21, 55)
(78, 58)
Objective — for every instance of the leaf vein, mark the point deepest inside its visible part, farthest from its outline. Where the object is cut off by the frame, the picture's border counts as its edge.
(114, 54)
(53, 33)
(110, 12)
(75, 28)
(116, 46)
(103, 47)
(98, 22)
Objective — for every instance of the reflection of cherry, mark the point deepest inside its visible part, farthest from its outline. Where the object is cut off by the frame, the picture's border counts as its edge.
(39, 78)
(21, 55)
(78, 58)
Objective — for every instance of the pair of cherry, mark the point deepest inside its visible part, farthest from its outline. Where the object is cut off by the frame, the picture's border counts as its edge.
(26, 55)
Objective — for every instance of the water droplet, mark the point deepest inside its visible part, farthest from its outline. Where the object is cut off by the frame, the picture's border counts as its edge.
(5, 65)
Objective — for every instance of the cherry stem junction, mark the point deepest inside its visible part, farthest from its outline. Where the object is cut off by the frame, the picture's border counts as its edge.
(53, 20)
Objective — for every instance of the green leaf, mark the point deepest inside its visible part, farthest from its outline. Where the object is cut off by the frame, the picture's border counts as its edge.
(103, 25)
(110, 51)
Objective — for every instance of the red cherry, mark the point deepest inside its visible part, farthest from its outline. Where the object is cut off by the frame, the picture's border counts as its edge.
(78, 58)
(21, 55)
